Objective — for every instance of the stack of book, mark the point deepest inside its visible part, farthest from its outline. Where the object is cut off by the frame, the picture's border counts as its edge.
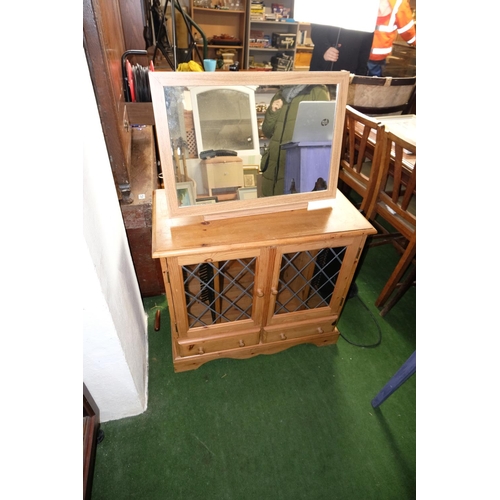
(257, 10)
(259, 40)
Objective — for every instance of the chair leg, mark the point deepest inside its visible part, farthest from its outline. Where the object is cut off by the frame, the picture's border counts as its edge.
(408, 368)
(397, 274)
(385, 238)
(344, 187)
(401, 290)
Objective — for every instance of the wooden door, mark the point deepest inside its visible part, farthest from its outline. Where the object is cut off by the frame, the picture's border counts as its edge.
(216, 294)
(310, 281)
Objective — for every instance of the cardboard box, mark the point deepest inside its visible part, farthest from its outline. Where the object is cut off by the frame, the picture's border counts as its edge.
(284, 41)
(223, 172)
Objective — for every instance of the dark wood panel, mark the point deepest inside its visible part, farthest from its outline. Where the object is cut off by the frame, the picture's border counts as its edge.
(402, 62)
(90, 427)
(137, 215)
(104, 45)
(148, 270)
(133, 24)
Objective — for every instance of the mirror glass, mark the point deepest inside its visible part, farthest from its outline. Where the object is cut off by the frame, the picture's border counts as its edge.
(225, 138)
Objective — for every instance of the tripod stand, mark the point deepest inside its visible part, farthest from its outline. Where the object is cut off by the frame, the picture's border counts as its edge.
(167, 43)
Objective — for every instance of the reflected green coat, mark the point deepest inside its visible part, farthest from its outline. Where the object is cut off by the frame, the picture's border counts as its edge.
(278, 127)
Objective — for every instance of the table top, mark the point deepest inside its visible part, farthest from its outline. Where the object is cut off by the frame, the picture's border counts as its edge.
(404, 126)
(187, 237)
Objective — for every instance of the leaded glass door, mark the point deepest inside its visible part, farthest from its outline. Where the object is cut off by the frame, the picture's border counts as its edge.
(307, 279)
(305, 284)
(221, 293)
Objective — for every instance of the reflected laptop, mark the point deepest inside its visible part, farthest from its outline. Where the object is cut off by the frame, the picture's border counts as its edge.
(314, 122)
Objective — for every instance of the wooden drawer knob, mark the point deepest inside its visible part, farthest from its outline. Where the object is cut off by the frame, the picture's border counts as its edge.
(201, 350)
(260, 293)
(274, 291)
(320, 330)
(242, 343)
(282, 336)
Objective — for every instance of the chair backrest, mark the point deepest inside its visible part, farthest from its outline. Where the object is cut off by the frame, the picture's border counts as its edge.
(373, 95)
(361, 154)
(395, 189)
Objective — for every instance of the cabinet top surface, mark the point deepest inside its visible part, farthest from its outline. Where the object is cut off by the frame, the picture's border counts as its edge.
(173, 237)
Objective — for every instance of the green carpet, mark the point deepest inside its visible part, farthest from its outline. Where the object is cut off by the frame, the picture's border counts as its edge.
(293, 425)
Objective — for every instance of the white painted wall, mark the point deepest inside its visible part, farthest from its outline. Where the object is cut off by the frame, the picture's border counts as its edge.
(115, 348)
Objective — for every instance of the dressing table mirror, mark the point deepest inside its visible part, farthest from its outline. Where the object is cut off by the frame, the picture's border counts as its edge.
(247, 274)
(201, 116)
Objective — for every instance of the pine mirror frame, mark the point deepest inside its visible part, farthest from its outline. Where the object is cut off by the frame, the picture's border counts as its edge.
(307, 200)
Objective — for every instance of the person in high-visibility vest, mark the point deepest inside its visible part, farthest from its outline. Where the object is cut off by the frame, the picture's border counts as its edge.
(394, 17)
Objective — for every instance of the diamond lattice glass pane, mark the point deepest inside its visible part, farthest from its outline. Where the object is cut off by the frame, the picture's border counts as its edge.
(219, 292)
(307, 279)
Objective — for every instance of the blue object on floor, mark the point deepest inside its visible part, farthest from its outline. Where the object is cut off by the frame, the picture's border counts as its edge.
(399, 378)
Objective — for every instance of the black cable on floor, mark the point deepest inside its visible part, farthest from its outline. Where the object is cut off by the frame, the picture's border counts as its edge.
(376, 323)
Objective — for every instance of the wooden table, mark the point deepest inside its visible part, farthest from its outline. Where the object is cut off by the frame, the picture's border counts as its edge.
(403, 125)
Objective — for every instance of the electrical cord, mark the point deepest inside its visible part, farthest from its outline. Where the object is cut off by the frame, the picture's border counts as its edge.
(374, 320)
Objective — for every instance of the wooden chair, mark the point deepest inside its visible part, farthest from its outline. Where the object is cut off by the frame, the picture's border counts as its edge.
(360, 155)
(394, 202)
(373, 95)
(402, 288)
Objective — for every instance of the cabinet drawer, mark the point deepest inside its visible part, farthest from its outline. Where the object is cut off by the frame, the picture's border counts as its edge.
(299, 329)
(192, 347)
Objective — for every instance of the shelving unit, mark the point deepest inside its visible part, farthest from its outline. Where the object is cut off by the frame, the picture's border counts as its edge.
(256, 49)
(304, 49)
(221, 18)
(260, 49)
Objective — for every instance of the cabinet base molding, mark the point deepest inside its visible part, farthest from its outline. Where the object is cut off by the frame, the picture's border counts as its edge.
(186, 363)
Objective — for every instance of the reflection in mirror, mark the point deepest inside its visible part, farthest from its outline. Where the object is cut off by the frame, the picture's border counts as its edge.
(225, 119)
(244, 142)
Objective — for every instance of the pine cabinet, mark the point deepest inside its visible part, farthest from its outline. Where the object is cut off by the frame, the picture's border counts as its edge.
(259, 284)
